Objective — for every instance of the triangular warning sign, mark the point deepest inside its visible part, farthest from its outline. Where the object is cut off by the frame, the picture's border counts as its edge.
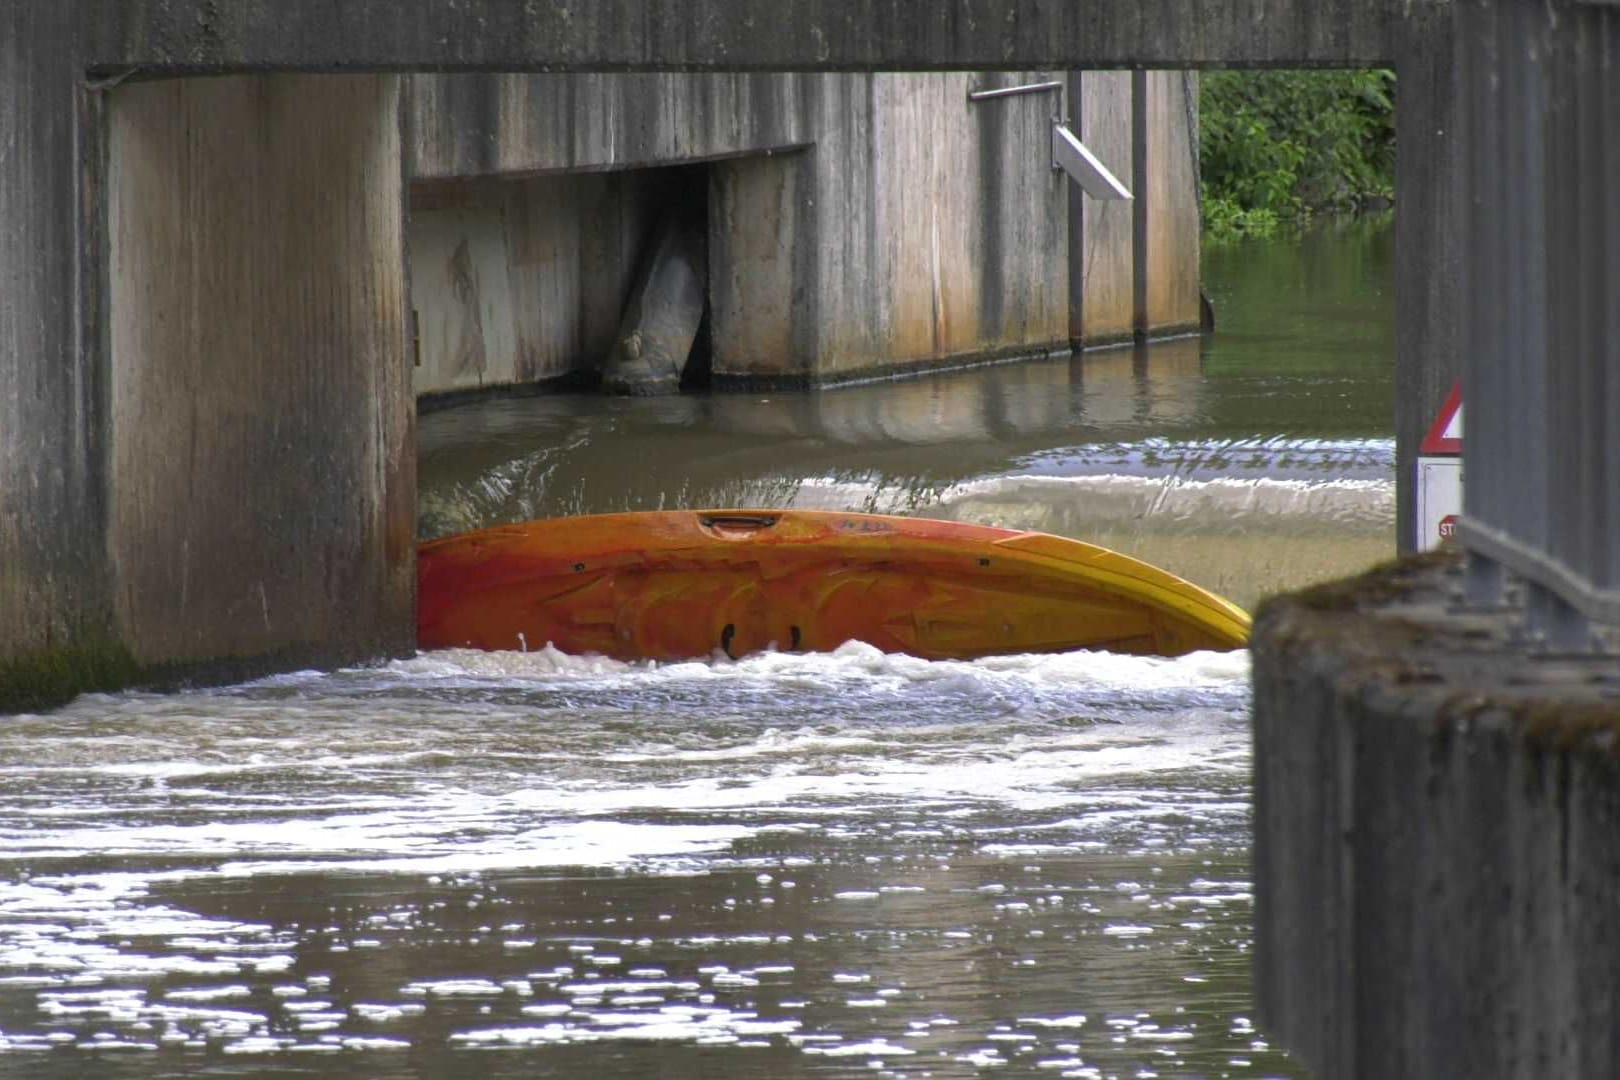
(1446, 433)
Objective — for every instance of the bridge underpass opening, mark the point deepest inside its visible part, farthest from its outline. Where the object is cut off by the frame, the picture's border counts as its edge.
(521, 285)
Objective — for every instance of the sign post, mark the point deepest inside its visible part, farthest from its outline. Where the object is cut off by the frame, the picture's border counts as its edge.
(1439, 475)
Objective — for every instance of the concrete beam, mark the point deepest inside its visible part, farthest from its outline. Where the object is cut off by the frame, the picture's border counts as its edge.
(494, 125)
(168, 36)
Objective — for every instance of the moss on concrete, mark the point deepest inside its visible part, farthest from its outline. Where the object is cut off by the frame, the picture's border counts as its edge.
(46, 678)
(1385, 583)
(1382, 633)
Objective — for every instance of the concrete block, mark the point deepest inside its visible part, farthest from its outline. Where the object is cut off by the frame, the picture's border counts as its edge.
(1437, 862)
(750, 35)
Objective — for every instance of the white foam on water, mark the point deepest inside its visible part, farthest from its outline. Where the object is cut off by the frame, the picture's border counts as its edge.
(853, 661)
(454, 764)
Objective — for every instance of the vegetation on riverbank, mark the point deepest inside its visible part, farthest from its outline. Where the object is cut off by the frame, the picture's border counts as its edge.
(1276, 147)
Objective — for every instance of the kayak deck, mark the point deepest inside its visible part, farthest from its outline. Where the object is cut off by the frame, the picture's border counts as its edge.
(670, 585)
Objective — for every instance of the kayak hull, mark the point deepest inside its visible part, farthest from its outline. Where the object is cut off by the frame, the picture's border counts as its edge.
(671, 585)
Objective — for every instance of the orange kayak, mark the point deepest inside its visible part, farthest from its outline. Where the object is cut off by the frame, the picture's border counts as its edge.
(672, 585)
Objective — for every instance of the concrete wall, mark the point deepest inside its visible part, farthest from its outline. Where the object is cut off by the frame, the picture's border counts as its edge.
(1437, 837)
(858, 224)
(262, 491)
(949, 235)
(765, 298)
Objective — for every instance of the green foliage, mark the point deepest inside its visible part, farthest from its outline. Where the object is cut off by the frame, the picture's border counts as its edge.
(1225, 219)
(1277, 146)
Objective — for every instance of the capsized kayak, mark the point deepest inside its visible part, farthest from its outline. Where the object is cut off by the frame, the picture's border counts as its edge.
(670, 585)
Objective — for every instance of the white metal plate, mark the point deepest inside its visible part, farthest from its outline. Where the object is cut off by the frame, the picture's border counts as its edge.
(1439, 498)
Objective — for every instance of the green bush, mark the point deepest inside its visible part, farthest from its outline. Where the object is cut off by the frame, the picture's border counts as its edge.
(1278, 146)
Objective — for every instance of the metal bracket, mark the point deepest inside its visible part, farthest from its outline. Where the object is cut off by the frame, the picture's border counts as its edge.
(1069, 154)
(1072, 156)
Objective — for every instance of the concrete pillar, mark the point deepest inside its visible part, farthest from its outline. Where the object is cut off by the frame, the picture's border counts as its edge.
(55, 633)
(1168, 264)
(1436, 862)
(262, 509)
(663, 313)
(1431, 228)
(1105, 259)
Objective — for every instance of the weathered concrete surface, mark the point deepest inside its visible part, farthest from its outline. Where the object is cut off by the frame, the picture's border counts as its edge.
(494, 125)
(1174, 221)
(929, 229)
(764, 293)
(1431, 276)
(1538, 85)
(1437, 837)
(262, 489)
(461, 294)
(743, 35)
(1106, 258)
(662, 316)
(53, 584)
(904, 226)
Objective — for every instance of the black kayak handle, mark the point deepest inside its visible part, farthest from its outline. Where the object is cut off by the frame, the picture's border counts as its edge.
(739, 521)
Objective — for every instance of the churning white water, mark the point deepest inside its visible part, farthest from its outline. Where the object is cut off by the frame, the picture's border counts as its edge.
(845, 857)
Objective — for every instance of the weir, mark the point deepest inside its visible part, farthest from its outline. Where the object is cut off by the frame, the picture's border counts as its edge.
(173, 354)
